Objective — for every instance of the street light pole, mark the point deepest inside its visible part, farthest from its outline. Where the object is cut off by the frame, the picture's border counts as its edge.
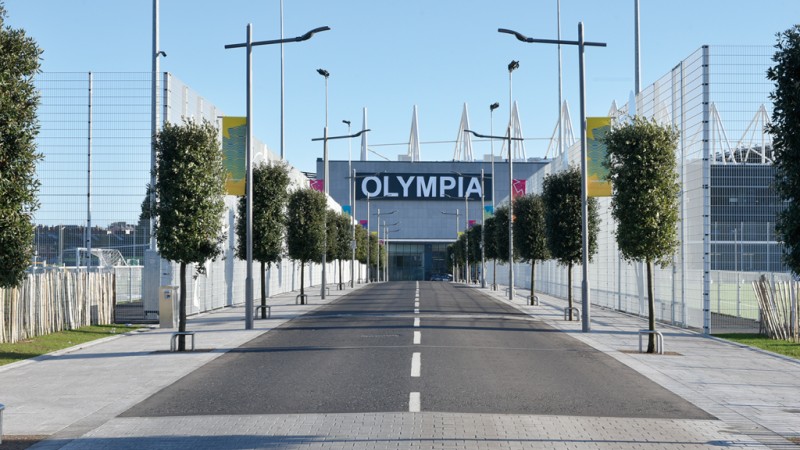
(492, 107)
(483, 252)
(512, 66)
(581, 44)
(379, 214)
(350, 196)
(325, 74)
(248, 45)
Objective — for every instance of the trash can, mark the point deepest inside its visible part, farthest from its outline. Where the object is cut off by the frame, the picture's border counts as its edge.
(168, 306)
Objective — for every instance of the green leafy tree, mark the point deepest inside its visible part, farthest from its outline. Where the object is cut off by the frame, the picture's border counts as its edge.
(190, 184)
(474, 235)
(501, 234)
(786, 140)
(270, 195)
(490, 243)
(643, 171)
(530, 237)
(561, 193)
(338, 248)
(305, 230)
(373, 253)
(361, 244)
(19, 63)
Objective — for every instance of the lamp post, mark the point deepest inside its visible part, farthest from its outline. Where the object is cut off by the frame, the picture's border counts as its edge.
(483, 232)
(457, 214)
(386, 231)
(466, 231)
(248, 45)
(325, 74)
(492, 107)
(510, 210)
(581, 44)
(350, 200)
(512, 66)
(379, 214)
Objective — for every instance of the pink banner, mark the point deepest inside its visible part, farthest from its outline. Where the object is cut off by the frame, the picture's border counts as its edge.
(318, 185)
(472, 223)
(519, 188)
(363, 223)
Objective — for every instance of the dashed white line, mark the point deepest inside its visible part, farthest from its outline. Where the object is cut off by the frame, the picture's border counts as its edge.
(416, 364)
(417, 337)
(416, 310)
(416, 322)
(416, 304)
(414, 404)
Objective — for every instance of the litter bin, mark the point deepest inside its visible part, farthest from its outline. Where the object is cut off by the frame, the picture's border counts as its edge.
(168, 306)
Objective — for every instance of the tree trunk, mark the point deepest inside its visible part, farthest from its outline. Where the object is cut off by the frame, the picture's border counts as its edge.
(263, 291)
(533, 280)
(341, 286)
(569, 289)
(182, 311)
(651, 309)
(302, 282)
(494, 273)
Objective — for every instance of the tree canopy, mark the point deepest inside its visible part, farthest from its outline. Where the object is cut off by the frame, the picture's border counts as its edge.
(530, 236)
(561, 193)
(19, 99)
(786, 139)
(270, 197)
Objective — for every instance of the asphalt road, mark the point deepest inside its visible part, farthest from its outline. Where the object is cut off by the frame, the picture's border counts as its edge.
(390, 348)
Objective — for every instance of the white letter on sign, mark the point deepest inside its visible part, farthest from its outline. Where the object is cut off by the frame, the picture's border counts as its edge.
(445, 184)
(366, 191)
(406, 184)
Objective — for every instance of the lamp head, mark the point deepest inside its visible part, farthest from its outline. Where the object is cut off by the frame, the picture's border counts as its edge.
(494, 106)
(323, 72)
(512, 66)
(346, 122)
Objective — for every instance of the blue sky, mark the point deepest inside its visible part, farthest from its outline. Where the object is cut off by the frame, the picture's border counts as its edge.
(390, 56)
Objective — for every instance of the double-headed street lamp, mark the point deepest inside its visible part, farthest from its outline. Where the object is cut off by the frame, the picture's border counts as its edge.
(581, 44)
(248, 45)
(379, 214)
(492, 107)
(457, 214)
(325, 140)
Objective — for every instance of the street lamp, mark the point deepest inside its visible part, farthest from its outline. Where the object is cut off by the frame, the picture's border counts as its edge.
(325, 74)
(327, 138)
(352, 203)
(248, 45)
(492, 107)
(581, 44)
(466, 231)
(379, 214)
(457, 214)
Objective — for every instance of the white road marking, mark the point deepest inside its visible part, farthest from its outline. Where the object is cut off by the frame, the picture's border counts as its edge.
(416, 304)
(417, 337)
(416, 322)
(414, 402)
(416, 310)
(416, 364)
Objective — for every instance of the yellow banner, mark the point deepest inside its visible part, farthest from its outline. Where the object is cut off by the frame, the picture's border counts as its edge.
(596, 183)
(234, 138)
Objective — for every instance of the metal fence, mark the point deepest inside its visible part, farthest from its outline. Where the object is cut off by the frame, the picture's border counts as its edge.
(718, 99)
(95, 132)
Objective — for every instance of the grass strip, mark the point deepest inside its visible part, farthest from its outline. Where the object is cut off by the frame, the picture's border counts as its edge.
(41, 345)
(785, 348)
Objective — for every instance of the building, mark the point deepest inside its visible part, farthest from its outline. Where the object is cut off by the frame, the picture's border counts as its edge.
(423, 204)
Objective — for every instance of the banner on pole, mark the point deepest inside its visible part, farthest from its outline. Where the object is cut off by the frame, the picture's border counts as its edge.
(317, 185)
(519, 188)
(596, 183)
(472, 223)
(347, 210)
(488, 211)
(234, 139)
(363, 223)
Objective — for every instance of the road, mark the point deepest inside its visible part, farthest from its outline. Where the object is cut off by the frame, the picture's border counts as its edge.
(416, 346)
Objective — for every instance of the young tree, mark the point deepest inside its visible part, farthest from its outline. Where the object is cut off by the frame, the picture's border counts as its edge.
(561, 195)
(490, 244)
(643, 171)
(338, 240)
(530, 237)
(190, 184)
(474, 239)
(373, 253)
(786, 140)
(305, 229)
(19, 62)
(361, 247)
(270, 195)
(501, 234)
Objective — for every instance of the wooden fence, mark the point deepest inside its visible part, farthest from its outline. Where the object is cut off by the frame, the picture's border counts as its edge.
(54, 300)
(779, 309)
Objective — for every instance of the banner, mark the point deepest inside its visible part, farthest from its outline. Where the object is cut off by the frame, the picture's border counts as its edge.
(364, 223)
(519, 188)
(488, 211)
(347, 210)
(472, 223)
(234, 137)
(317, 185)
(596, 183)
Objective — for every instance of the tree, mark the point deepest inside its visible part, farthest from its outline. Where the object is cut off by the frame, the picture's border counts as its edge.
(270, 195)
(190, 184)
(530, 237)
(19, 62)
(501, 234)
(338, 248)
(474, 239)
(561, 194)
(373, 253)
(643, 171)
(490, 243)
(786, 140)
(305, 229)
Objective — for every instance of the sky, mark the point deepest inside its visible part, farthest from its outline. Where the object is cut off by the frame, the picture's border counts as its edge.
(388, 56)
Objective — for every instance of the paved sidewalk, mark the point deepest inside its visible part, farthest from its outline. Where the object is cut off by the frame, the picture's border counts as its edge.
(753, 391)
(74, 398)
